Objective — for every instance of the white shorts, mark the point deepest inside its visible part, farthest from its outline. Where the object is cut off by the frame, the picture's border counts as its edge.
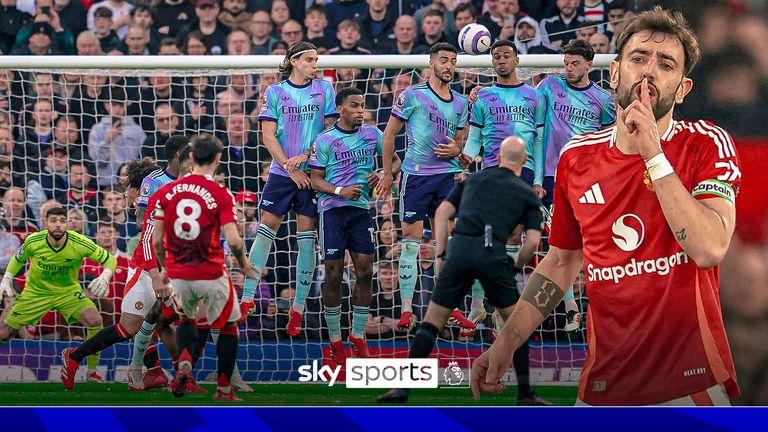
(139, 294)
(713, 396)
(218, 297)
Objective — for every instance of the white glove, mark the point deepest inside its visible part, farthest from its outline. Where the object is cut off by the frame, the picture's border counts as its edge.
(6, 285)
(99, 287)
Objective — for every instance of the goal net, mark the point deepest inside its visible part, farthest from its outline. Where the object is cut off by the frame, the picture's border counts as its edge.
(55, 115)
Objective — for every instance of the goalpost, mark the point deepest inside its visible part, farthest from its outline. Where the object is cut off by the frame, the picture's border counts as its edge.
(55, 99)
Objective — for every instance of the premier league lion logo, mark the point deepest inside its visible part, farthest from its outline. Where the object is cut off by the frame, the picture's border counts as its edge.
(453, 374)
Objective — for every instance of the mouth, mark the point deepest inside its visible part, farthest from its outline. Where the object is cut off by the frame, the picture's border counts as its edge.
(637, 90)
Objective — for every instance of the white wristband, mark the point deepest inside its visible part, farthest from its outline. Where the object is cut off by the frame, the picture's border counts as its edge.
(338, 190)
(659, 167)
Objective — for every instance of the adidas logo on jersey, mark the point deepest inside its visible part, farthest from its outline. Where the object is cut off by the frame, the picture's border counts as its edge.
(593, 196)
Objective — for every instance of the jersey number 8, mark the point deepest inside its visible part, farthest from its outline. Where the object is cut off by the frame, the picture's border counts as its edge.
(186, 226)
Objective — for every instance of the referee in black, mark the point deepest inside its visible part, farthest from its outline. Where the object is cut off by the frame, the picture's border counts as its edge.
(491, 203)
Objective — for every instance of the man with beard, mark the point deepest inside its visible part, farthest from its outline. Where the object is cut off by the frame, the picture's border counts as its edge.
(651, 243)
(56, 255)
(574, 105)
(435, 117)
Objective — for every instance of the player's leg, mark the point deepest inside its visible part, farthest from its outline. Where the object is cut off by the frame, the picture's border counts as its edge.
(93, 322)
(361, 248)
(186, 332)
(306, 226)
(333, 242)
(236, 381)
(415, 196)
(226, 351)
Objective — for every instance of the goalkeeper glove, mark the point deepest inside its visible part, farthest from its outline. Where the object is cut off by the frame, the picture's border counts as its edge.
(99, 287)
(6, 286)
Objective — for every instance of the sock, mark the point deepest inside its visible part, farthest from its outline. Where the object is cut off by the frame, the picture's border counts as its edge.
(186, 336)
(151, 357)
(215, 333)
(570, 301)
(202, 339)
(103, 339)
(93, 359)
(478, 295)
(512, 250)
(423, 341)
(226, 351)
(258, 255)
(333, 319)
(408, 271)
(359, 319)
(522, 369)
(305, 267)
(141, 342)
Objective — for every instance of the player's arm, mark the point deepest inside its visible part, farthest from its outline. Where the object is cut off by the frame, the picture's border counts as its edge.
(394, 125)
(472, 147)
(140, 213)
(269, 136)
(320, 184)
(157, 241)
(237, 245)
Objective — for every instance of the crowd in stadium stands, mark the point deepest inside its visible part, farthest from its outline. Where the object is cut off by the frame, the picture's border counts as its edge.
(65, 138)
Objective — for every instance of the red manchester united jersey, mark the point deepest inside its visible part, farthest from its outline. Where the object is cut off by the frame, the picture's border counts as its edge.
(655, 329)
(193, 209)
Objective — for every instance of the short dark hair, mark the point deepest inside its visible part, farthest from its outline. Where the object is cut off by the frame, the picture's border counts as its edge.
(503, 43)
(138, 170)
(56, 211)
(173, 144)
(298, 47)
(434, 13)
(346, 92)
(205, 147)
(662, 21)
(168, 41)
(113, 188)
(144, 8)
(579, 48)
(316, 8)
(103, 12)
(442, 46)
(107, 223)
(468, 7)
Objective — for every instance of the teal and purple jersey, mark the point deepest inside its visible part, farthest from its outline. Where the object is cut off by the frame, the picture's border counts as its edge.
(570, 111)
(429, 120)
(299, 112)
(347, 157)
(151, 183)
(501, 111)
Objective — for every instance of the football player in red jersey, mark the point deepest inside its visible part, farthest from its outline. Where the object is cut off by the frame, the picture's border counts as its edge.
(650, 245)
(190, 214)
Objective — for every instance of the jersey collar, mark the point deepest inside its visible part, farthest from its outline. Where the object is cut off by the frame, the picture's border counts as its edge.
(438, 96)
(66, 239)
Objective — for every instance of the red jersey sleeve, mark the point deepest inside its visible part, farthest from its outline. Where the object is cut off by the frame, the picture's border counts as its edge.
(227, 209)
(565, 232)
(717, 172)
(145, 242)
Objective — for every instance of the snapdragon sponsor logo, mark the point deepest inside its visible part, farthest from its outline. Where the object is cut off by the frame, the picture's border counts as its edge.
(660, 266)
(376, 373)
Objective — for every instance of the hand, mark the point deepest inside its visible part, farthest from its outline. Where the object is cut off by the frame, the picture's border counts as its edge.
(473, 94)
(464, 161)
(248, 270)
(6, 286)
(42, 18)
(488, 370)
(438, 265)
(352, 192)
(301, 179)
(373, 179)
(540, 191)
(245, 310)
(99, 287)
(384, 188)
(293, 163)
(161, 288)
(449, 150)
(55, 21)
(164, 30)
(641, 124)
(113, 132)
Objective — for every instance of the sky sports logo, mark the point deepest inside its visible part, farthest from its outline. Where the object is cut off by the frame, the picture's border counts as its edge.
(377, 373)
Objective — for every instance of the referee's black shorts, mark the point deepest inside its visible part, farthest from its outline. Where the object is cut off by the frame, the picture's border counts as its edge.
(468, 259)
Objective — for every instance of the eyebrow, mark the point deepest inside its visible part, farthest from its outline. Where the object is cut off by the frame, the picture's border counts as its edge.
(661, 54)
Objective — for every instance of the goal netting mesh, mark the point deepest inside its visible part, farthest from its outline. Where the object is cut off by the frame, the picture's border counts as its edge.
(54, 118)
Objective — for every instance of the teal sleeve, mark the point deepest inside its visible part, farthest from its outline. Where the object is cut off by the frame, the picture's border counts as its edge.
(539, 152)
(472, 148)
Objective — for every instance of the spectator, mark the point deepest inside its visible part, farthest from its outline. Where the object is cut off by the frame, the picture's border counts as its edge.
(16, 219)
(168, 46)
(106, 236)
(114, 140)
(38, 135)
(384, 304)
(121, 15)
(72, 15)
(144, 17)
(593, 11)
(348, 35)
(198, 105)
(8, 177)
(241, 153)
(50, 183)
(600, 76)
(12, 160)
(115, 211)
(9, 245)
(464, 14)
(37, 41)
(388, 247)
(261, 33)
(432, 29)
(560, 29)
(65, 134)
(159, 91)
(42, 88)
(492, 17)
(238, 43)
(136, 41)
(279, 14)
(341, 10)
(172, 15)
(316, 23)
(291, 32)
(81, 195)
(207, 12)
(614, 13)
(445, 7)
(234, 15)
(377, 24)
(61, 40)
(246, 204)
(88, 44)
(586, 31)
(166, 124)
(77, 221)
(528, 38)
(12, 20)
(194, 44)
(88, 103)
(369, 118)
(102, 28)
(405, 38)
(600, 43)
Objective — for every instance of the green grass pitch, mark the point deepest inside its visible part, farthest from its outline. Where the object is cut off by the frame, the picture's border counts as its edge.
(117, 394)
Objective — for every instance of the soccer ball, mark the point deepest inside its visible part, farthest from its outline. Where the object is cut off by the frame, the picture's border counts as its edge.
(474, 39)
